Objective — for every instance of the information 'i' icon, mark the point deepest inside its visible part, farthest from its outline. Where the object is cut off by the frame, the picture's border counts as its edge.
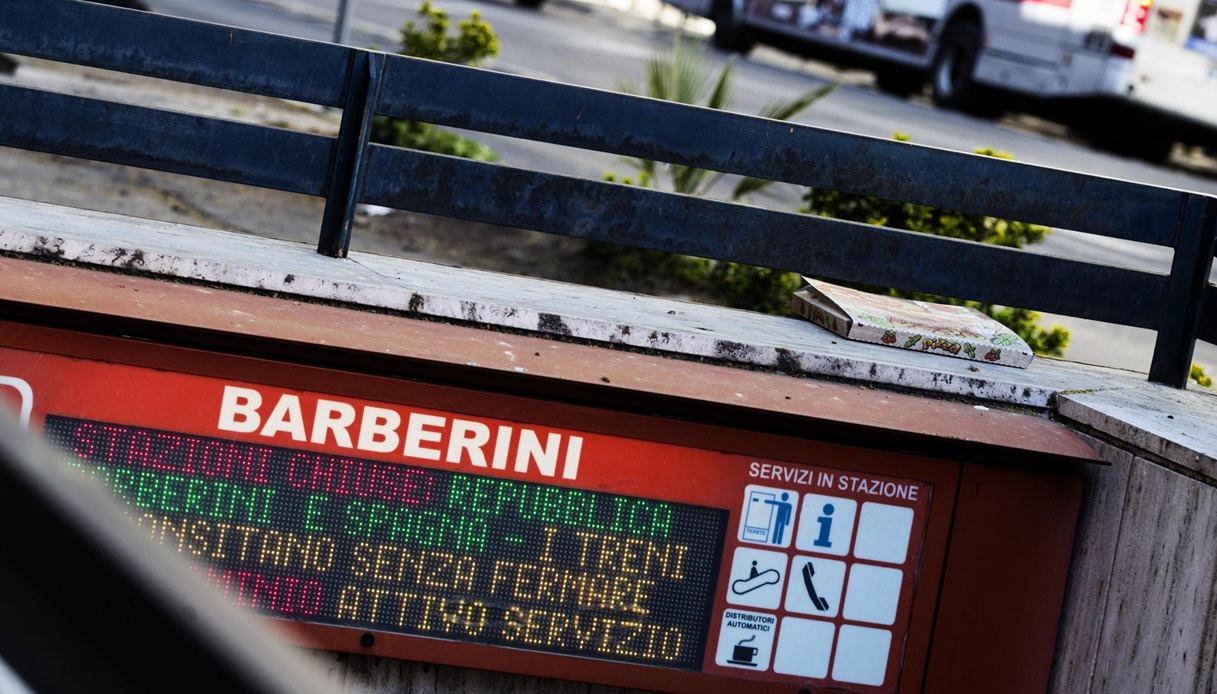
(825, 522)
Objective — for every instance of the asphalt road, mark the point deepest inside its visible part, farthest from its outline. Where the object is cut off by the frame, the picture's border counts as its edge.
(589, 43)
(594, 45)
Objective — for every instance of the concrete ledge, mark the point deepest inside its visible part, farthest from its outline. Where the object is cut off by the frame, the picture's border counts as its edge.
(1178, 425)
(522, 303)
(1119, 403)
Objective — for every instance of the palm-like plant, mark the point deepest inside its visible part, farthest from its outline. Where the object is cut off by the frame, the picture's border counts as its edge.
(684, 76)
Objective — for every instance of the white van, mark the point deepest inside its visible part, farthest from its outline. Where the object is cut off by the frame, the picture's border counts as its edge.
(1152, 61)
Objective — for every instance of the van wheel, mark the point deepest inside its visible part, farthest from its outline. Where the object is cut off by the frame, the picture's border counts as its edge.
(899, 82)
(730, 34)
(1145, 145)
(530, 4)
(951, 82)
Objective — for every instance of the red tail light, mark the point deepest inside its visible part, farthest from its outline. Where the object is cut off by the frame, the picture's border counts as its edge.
(1132, 25)
(1136, 13)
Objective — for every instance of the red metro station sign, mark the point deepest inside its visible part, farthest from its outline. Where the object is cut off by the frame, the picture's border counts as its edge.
(402, 518)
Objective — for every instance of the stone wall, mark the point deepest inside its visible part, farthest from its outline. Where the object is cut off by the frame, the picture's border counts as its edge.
(1141, 609)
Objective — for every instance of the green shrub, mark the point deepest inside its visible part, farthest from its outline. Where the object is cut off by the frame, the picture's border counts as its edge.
(1198, 375)
(684, 76)
(754, 288)
(473, 43)
(413, 134)
(762, 289)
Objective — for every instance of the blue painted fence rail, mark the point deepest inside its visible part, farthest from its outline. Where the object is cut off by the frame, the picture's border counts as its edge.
(346, 170)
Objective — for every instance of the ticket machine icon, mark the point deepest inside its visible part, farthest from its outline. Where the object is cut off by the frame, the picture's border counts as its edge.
(24, 400)
(767, 515)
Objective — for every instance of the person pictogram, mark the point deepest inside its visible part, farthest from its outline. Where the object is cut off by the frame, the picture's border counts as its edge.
(781, 518)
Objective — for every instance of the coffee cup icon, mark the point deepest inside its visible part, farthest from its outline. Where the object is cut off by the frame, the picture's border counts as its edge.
(744, 655)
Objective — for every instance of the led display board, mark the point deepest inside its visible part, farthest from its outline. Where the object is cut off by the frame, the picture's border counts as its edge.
(347, 541)
(505, 533)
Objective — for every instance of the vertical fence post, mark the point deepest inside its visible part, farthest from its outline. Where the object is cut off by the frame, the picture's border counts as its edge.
(1179, 315)
(350, 158)
(342, 23)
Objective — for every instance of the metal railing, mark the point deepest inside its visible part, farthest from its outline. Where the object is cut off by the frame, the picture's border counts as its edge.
(347, 170)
